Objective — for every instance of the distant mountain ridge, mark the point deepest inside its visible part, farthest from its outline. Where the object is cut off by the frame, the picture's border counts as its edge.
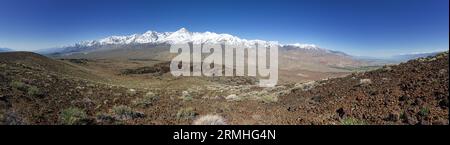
(5, 49)
(180, 36)
(405, 57)
(155, 45)
(395, 59)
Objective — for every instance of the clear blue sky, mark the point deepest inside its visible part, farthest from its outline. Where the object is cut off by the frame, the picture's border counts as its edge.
(358, 27)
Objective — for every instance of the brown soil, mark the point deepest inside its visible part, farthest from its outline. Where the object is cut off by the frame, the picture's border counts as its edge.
(415, 92)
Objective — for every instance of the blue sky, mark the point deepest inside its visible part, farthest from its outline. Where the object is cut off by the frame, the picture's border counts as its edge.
(357, 27)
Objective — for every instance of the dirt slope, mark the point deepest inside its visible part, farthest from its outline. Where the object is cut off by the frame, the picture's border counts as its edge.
(415, 92)
(35, 89)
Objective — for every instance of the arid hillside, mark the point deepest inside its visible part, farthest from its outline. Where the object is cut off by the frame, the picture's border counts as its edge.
(415, 92)
(38, 90)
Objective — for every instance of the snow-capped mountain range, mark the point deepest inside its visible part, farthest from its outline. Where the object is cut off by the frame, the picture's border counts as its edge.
(182, 36)
(154, 45)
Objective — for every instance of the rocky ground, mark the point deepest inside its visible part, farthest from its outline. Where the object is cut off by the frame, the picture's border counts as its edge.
(415, 92)
(38, 90)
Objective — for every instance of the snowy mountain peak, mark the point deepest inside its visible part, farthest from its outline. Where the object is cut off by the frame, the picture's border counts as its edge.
(183, 30)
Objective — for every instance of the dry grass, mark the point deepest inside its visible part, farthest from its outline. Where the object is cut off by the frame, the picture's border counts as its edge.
(210, 120)
(365, 82)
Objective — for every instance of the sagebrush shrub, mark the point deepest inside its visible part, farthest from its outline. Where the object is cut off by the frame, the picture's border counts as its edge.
(123, 112)
(34, 91)
(18, 85)
(73, 116)
(186, 113)
(146, 100)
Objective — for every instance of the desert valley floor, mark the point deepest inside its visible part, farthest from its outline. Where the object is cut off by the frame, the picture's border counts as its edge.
(35, 89)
